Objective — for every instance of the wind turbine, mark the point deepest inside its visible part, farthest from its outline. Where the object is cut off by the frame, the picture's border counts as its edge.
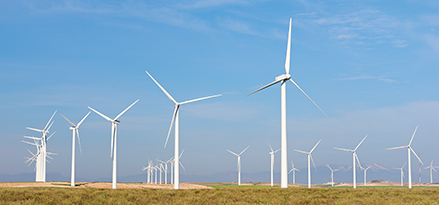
(354, 156)
(402, 173)
(75, 128)
(272, 161)
(365, 173)
(113, 154)
(409, 148)
(43, 149)
(37, 157)
(332, 174)
(283, 80)
(148, 172)
(165, 169)
(239, 163)
(294, 172)
(175, 117)
(172, 161)
(309, 159)
(431, 167)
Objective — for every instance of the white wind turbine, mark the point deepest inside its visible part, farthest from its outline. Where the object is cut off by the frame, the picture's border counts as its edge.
(175, 117)
(332, 174)
(272, 161)
(35, 157)
(354, 156)
(409, 148)
(309, 159)
(148, 172)
(402, 173)
(43, 149)
(431, 167)
(293, 169)
(75, 128)
(365, 173)
(283, 80)
(165, 169)
(113, 154)
(239, 163)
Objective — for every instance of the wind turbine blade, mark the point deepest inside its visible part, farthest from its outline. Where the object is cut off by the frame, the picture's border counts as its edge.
(358, 160)
(270, 147)
(360, 143)
(312, 160)
(329, 167)
(264, 87)
(50, 126)
(287, 60)
(38, 130)
(396, 147)
(290, 171)
(179, 157)
(79, 141)
(83, 119)
(31, 153)
(172, 122)
(182, 166)
(50, 120)
(167, 94)
(233, 153)
(307, 96)
(403, 165)
(102, 115)
(413, 135)
(243, 151)
(336, 170)
(34, 138)
(277, 151)
(50, 136)
(416, 155)
(68, 120)
(126, 109)
(198, 99)
(29, 143)
(314, 147)
(300, 151)
(348, 150)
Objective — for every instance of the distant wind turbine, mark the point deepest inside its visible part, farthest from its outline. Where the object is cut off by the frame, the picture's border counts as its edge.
(75, 128)
(332, 174)
(148, 172)
(175, 117)
(309, 159)
(409, 148)
(239, 163)
(402, 173)
(354, 156)
(272, 161)
(42, 157)
(283, 80)
(293, 169)
(114, 123)
(365, 173)
(431, 167)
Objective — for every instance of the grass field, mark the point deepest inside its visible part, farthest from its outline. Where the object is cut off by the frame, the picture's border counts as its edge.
(223, 195)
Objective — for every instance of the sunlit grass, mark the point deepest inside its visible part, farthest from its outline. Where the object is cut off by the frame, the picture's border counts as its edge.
(253, 194)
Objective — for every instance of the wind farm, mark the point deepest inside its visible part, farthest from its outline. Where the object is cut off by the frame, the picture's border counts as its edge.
(368, 68)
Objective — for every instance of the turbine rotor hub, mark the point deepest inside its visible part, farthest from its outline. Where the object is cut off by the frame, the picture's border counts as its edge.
(283, 77)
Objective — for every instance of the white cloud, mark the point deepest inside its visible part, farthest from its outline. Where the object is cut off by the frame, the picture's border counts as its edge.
(368, 77)
(433, 41)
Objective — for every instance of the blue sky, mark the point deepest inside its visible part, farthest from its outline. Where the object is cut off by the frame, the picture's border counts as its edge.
(372, 66)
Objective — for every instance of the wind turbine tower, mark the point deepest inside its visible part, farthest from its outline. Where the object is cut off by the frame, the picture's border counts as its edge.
(402, 173)
(431, 167)
(365, 174)
(75, 128)
(283, 80)
(293, 169)
(354, 156)
(409, 149)
(175, 117)
(239, 163)
(113, 154)
(309, 159)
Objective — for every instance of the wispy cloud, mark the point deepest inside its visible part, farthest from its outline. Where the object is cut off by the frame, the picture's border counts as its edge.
(368, 77)
(433, 41)
(211, 3)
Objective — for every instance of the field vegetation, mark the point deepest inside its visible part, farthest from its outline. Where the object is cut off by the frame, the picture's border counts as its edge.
(221, 195)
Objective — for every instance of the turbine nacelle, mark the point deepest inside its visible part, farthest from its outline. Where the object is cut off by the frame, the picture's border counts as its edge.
(283, 77)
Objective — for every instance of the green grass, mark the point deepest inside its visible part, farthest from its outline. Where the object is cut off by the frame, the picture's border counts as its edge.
(232, 195)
